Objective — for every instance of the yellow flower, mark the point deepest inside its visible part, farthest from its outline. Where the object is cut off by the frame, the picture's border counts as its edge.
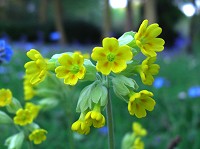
(111, 57)
(23, 117)
(34, 109)
(95, 118)
(138, 130)
(29, 91)
(140, 102)
(5, 97)
(38, 136)
(146, 39)
(71, 68)
(138, 144)
(36, 69)
(147, 69)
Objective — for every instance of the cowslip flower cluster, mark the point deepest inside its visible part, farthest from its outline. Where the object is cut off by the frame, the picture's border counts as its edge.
(24, 118)
(113, 67)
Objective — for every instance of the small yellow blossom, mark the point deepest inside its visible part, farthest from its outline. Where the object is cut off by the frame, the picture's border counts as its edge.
(138, 144)
(23, 117)
(5, 97)
(81, 127)
(138, 130)
(111, 57)
(38, 136)
(146, 39)
(34, 109)
(71, 68)
(36, 69)
(148, 69)
(95, 118)
(29, 91)
(140, 102)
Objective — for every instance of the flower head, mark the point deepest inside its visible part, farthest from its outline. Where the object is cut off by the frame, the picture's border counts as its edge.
(34, 109)
(148, 69)
(81, 126)
(36, 70)
(5, 52)
(23, 117)
(29, 91)
(95, 118)
(111, 57)
(138, 130)
(138, 144)
(71, 68)
(146, 39)
(140, 102)
(38, 136)
(5, 97)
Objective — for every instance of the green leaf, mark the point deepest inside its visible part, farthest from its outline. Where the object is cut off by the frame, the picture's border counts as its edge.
(127, 38)
(90, 74)
(4, 118)
(96, 93)
(48, 103)
(104, 97)
(13, 106)
(15, 141)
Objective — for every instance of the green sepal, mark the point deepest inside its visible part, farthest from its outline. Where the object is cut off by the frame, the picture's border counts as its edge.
(128, 141)
(15, 141)
(48, 103)
(128, 39)
(4, 118)
(13, 106)
(94, 93)
(90, 74)
(31, 127)
(122, 86)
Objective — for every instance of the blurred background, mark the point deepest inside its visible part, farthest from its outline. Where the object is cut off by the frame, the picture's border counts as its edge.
(55, 26)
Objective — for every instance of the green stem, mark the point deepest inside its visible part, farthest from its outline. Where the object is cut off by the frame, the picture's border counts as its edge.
(110, 119)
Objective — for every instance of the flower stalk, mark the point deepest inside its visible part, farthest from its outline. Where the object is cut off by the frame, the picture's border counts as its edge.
(110, 119)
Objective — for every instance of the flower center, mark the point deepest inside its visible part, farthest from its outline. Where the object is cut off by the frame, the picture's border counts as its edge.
(111, 57)
(74, 69)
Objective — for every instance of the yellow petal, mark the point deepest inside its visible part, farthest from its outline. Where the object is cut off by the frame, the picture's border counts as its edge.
(118, 66)
(71, 79)
(61, 71)
(65, 60)
(31, 54)
(148, 103)
(81, 73)
(124, 52)
(78, 59)
(110, 44)
(99, 54)
(139, 111)
(104, 67)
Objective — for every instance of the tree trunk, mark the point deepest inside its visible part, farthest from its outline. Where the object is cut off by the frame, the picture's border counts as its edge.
(106, 19)
(43, 11)
(150, 11)
(129, 16)
(59, 20)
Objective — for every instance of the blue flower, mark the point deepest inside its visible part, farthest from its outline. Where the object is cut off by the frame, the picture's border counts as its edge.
(160, 82)
(194, 91)
(5, 52)
(103, 130)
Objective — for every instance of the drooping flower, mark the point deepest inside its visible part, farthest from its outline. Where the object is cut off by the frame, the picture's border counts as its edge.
(23, 117)
(5, 52)
(34, 109)
(5, 97)
(95, 117)
(36, 70)
(80, 125)
(111, 57)
(138, 144)
(71, 68)
(147, 69)
(38, 136)
(146, 39)
(29, 91)
(140, 102)
(138, 130)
